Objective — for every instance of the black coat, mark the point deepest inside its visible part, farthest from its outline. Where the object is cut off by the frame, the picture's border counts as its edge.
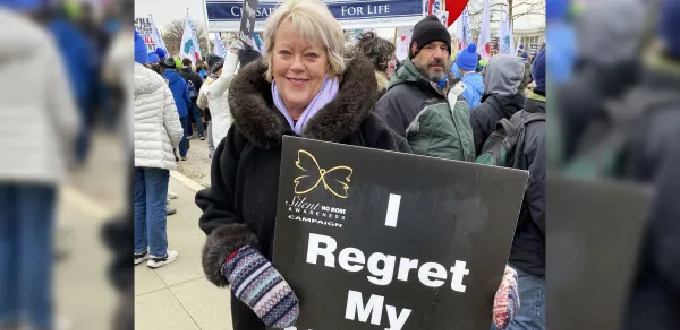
(655, 294)
(528, 246)
(485, 116)
(240, 206)
(189, 74)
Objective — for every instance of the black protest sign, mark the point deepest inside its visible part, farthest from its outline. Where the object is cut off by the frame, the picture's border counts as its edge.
(247, 29)
(371, 239)
(594, 237)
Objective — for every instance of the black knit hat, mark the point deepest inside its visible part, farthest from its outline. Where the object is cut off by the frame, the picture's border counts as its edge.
(428, 30)
(215, 63)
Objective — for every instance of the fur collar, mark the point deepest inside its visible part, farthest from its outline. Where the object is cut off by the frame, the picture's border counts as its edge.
(256, 118)
(383, 82)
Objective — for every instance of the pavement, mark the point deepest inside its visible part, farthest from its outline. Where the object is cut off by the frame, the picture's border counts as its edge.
(197, 165)
(176, 296)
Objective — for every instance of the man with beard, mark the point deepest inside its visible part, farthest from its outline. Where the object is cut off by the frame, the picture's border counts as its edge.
(423, 102)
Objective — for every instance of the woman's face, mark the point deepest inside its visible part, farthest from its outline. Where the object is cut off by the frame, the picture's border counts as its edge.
(298, 68)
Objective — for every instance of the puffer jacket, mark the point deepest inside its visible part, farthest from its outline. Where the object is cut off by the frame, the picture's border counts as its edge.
(157, 126)
(39, 118)
(474, 89)
(178, 88)
(417, 109)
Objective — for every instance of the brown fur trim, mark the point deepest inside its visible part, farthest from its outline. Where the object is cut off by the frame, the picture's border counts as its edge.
(255, 116)
(220, 244)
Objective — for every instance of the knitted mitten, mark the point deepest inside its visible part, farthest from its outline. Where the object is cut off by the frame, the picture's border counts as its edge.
(259, 285)
(506, 300)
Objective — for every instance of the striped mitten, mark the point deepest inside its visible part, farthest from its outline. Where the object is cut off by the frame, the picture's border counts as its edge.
(259, 285)
(506, 301)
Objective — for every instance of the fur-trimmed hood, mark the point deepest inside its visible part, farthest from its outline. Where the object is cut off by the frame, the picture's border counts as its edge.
(256, 117)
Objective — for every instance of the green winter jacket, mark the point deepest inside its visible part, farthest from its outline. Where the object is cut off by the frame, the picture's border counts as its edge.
(417, 109)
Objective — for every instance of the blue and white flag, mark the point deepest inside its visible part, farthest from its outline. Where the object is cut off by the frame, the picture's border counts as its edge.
(219, 48)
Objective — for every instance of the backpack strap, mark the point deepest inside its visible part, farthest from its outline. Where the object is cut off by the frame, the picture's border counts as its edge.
(625, 114)
(521, 120)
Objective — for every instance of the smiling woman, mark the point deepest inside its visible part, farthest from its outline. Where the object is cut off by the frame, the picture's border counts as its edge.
(306, 85)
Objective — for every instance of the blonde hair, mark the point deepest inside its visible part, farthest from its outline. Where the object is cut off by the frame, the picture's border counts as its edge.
(315, 23)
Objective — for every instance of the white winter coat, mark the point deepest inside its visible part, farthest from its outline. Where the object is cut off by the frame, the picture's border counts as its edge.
(38, 115)
(157, 126)
(216, 94)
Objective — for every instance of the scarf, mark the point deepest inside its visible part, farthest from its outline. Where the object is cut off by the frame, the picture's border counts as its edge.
(329, 90)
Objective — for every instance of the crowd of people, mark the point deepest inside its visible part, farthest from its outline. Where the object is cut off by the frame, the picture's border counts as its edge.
(56, 94)
(325, 90)
(309, 83)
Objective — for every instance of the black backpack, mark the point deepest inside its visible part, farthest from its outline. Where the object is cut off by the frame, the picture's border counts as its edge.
(618, 147)
(505, 146)
(191, 88)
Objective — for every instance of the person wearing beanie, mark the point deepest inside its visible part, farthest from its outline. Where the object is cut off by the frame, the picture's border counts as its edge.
(502, 99)
(180, 92)
(527, 253)
(154, 63)
(157, 131)
(39, 121)
(467, 69)
(194, 83)
(441, 128)
(161, 53)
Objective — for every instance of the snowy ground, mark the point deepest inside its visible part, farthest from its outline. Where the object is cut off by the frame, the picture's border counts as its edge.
(197, 166)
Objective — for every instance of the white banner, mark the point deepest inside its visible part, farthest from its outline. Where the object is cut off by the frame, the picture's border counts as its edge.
(403, 40)
(505, 35)
(484, 40)
(145, 28)
(189, 47)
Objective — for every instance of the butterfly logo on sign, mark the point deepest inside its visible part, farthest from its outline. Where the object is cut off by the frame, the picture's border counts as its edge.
(335, 180)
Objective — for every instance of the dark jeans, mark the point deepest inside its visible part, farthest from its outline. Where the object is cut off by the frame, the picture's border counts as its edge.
(184, 143)
(83, 140)
(26, 222)
(151, 219)
(531, 313)
(197, 118)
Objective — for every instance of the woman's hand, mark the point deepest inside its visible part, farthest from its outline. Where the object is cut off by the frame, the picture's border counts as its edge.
(239, 268)
(235, 46)
(506, 300)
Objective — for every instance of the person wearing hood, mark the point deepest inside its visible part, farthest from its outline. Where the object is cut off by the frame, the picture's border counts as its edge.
(527, 252)
(502, 76)
(194, 83)
(180, 92)
(474, 84)
(157, 131)
(40, 126)
(380, 52)
(310, 90)
(423, 103)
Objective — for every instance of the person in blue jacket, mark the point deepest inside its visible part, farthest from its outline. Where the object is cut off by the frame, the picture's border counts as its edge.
(178, 87)
(474, 84)
(78, 55)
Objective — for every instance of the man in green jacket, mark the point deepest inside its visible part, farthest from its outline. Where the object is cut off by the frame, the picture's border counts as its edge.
(424, 103)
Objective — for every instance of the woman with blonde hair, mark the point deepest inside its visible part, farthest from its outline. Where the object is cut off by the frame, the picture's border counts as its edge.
(304, 86)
